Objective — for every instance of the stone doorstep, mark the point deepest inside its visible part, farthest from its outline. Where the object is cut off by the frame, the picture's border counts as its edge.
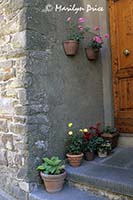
(5, 196)
(68, 193)
(115, 180)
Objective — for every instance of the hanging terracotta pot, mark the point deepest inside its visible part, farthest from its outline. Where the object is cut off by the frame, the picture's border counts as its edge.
(89, 155)
(75, 160)
(91, 53)
(70, 47)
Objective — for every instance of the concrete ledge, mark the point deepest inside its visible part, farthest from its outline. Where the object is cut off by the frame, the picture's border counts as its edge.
(5, 196)
(125, 140)
(66, 194)
(105, 177)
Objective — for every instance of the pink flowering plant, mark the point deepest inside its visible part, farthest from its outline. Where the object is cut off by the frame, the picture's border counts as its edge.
(76, 31)
(97, 41)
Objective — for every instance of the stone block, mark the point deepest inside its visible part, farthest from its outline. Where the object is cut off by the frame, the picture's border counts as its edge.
(3, 125)
(24, 186)
(6, 74)
(15, 159)
(7, 64)
(18, 128)
(19, 194)
(6, 106)
(22, 172)
(20, 119)
(19, 40)
(22, 81)
(3, 158)
(37, 110)
(8, 141)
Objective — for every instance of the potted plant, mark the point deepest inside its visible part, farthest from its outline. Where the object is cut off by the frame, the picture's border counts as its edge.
(75, 34)
(94, 45)
(74, 147)
(90, 140)
(110, 133)
(89, 148)
(103, 147)
(52, 173)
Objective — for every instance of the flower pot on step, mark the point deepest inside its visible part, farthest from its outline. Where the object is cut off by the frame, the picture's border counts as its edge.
(70, 47)
(75, 160)
(102, 154)
(91, 53)
(53, 183)
(89, 156)
(113, 138)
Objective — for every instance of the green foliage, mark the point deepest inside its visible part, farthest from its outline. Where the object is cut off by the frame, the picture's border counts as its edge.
(76, 30)
(76, 34)
(103, 145)
(90, 145)
(95, 45)
(51, 166)
(108, 129)
(75, 143)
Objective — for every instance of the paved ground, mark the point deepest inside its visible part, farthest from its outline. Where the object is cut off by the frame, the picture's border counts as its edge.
(68, 193)
(114, 172)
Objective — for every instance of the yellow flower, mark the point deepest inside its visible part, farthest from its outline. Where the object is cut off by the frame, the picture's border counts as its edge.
(81, 130)
(70, 125)
(85, 130)
(70, 133)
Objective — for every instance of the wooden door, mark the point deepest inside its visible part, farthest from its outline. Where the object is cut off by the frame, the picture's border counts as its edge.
(121, 29)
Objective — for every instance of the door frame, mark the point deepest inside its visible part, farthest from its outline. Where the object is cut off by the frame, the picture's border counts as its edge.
(106, 59)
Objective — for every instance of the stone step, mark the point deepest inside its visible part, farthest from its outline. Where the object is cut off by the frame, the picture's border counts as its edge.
(5, 196)
(101, 176)
(68, 193)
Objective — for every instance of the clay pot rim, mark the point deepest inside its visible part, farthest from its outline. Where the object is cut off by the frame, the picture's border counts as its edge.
(68, 41)
(110, 135)
(74, 155)
(92, 49)
(53, 176)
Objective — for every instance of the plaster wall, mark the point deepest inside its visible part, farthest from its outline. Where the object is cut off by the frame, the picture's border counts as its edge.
(41, 89)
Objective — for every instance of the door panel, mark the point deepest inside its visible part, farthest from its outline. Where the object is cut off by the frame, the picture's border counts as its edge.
(121, 28)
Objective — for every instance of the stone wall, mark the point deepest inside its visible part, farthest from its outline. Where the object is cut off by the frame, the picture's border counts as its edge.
(13, 84)
(41, 89)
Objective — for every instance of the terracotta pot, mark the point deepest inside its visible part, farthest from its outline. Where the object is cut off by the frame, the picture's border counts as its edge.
(53, 183)
(102, 154)
(70, 47)
(75, 160)
(89, 156)
(113, 138)
(91, 54)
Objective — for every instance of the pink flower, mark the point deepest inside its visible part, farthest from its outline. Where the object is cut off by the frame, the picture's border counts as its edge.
(81, 28)
(106, 36)
(68, 19)
(81, 20)
(98, 39)
(97, 28)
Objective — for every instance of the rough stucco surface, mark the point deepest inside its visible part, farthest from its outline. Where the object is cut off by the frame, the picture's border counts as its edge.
(41, 90)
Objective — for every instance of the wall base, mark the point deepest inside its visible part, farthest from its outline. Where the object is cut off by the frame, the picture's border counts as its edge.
(125, 140)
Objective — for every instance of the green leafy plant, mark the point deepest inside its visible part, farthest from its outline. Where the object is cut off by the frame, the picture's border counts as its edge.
(103, 145)
(108, 129)
(76, 31)
(90, 145)
(75, 141)
(51, 166)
